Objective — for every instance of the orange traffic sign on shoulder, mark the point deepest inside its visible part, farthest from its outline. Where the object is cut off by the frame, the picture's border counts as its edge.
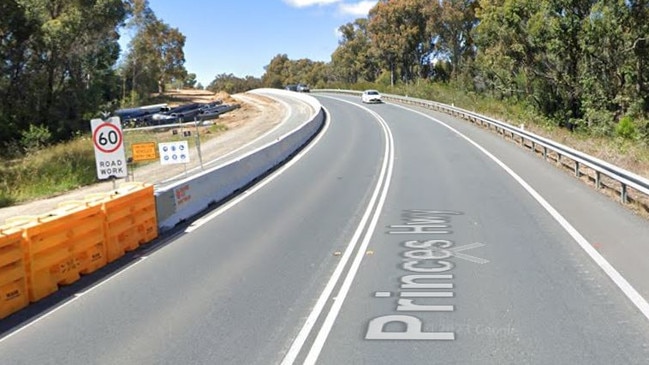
(144, 151)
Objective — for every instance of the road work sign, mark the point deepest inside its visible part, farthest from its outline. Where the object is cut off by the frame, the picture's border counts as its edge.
(144, 151)
(108, 141)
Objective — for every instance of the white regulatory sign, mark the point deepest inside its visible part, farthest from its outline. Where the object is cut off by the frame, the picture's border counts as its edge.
(108, 141)
(173, 152)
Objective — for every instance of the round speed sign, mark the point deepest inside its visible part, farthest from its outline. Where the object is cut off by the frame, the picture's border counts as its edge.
(107, 138)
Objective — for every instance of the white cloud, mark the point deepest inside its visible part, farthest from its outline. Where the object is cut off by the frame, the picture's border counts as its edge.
(307, 3)
(361, 8)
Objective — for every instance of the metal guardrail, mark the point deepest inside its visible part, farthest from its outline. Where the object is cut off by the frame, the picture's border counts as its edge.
(601, 168)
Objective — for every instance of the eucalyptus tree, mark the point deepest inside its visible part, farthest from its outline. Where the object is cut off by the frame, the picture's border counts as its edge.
(354, 58)
(156, 52)
(449, 26)
(399, 36)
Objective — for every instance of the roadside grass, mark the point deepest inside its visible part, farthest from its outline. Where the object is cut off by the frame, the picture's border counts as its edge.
(48, 172)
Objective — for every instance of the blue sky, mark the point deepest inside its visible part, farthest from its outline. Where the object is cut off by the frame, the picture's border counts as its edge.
(242, 36)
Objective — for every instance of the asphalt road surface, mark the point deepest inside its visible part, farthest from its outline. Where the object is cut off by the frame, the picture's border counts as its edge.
(396, 237)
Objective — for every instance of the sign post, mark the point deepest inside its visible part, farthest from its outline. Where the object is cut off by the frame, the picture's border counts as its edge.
(108, 140)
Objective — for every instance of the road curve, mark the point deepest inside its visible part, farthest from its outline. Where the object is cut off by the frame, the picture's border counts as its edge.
(392, 239)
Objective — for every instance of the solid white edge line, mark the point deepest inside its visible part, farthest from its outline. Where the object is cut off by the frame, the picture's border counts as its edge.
(329, 321)
(305, 331)
(638, 300)
(192, 227)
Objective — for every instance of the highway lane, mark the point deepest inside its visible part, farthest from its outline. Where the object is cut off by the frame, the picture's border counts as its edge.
(500, 280)
(453, 243)
(235, 288)
(617, 233)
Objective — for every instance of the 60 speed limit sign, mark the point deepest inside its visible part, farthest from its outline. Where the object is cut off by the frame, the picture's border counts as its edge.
(108, 140)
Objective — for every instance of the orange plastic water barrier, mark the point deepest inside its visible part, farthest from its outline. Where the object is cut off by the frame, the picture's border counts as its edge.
(13, 273)
(63, 245)
(130, 219)
(39, 253)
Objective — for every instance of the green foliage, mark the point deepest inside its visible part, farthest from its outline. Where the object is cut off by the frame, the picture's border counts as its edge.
(384, 79)
(626, 128)
(400, 38)
(35, 138)
(283, 71)
(155, 57)
(232, 84)
(58, 64)
(354, 59)
(190, 81)
(599, 122)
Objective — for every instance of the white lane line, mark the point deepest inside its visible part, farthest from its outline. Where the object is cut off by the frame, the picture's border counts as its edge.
(374, 206)
(201, 221)
(328, 323)
(192, 227)
(611, 272)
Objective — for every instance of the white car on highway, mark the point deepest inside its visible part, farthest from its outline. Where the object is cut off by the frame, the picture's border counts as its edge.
(371, 96)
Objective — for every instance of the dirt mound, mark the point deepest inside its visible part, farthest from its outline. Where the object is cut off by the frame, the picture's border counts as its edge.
(177, 97)
(227, 99)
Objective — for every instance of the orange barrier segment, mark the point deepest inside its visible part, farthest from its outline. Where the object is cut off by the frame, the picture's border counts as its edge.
(130, 219)
(13, 273)
(89, 241)
(61, 246)
(39, 253)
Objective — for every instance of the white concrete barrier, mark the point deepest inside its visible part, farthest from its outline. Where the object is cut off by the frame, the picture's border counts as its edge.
(186, 198)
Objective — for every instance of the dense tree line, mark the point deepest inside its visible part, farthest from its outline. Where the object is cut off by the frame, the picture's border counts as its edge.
(233, 84)
(59, 61)
(579, 63)
(283, 71)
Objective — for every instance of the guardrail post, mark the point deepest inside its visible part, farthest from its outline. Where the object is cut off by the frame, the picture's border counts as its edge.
(577, 169)
(624, 195)
(598, 180)
(533, 146)
(545, 153)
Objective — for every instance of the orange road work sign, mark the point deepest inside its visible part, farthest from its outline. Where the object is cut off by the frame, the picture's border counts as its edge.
(144, 151)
